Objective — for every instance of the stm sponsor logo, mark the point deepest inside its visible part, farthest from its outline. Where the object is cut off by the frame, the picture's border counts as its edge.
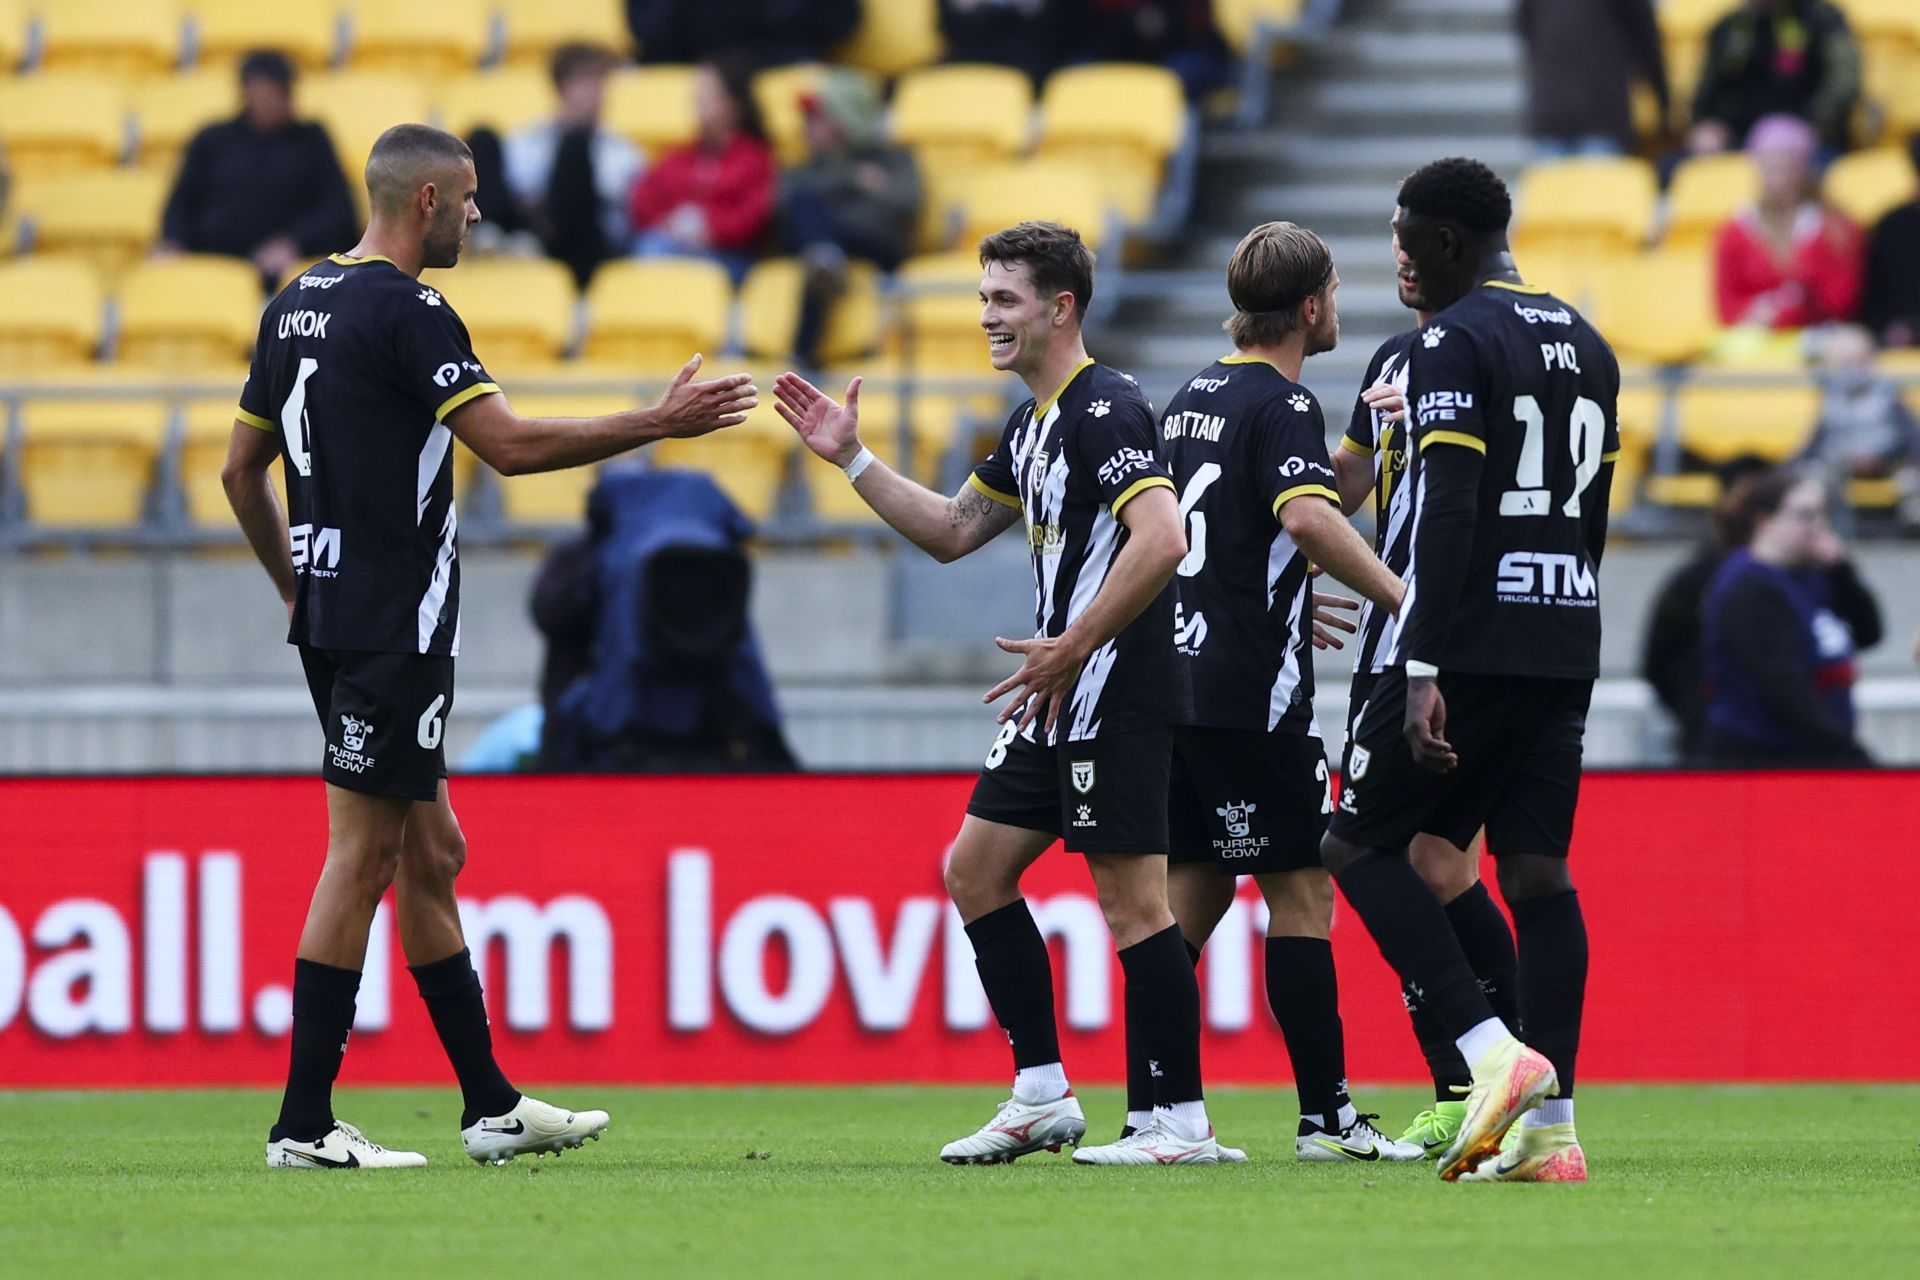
(1189, 630)
(305, 324)
(1198, 426)
(1125, 463)
(1546, 577)
(315, 551)
(1443, 406)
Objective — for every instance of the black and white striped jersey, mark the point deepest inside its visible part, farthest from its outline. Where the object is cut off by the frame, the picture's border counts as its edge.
(1243, 440)
(356, 368)
(1071, 464)
(1386, 443)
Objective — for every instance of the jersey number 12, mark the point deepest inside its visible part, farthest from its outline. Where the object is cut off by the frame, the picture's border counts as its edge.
(1586, 438)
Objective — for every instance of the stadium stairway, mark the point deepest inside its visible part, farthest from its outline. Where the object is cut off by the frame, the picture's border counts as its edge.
(1394, 84)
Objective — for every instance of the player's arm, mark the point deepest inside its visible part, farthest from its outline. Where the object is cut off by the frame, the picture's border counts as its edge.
(250, 452)
(1156, 543)
(513, 445)
(1353, 476)
(945, 528)
(1319, 529)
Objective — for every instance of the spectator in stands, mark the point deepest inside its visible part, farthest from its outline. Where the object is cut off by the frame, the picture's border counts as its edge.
(1033, 36)
(1582, 58)
(765, 33)
(1784, 617)
(262, 186)
(1176, 34)
(1771, 56)
(1891, 307)
(856, 196)
(1865, 431)
(1787, 262)
(569, 178)
(713, 198)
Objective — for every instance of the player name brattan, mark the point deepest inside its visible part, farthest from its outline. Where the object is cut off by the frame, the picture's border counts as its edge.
(1201, 426)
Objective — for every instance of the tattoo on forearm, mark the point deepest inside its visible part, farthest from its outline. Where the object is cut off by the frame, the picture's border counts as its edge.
(972, 510)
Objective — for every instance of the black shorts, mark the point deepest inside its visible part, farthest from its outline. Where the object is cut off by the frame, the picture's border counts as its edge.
(1108, 795)
(385, 717)
(1519, 743)
(1248, 802)
(1357, 695)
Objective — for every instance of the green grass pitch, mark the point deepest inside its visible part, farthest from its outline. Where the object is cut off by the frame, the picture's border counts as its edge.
(1728, 1181)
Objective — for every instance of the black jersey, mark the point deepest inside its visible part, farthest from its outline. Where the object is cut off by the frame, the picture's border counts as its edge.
(356, 368)
(1243, 440)
(1070, 465)
(1514, 375)
(1370, 436)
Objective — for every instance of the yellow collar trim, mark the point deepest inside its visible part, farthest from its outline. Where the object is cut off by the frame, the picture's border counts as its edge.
(1515, 288)
(1240, 359)
(1045, 407)
(345, 261)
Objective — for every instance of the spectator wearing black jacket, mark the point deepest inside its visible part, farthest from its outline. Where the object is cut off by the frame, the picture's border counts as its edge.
(1034, 36)
(768, 33)
(1891, 307)
(1769, 56)
(262, 186)
(1582, 59)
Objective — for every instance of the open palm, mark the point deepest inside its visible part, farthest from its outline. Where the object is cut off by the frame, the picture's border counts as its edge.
(830, 429)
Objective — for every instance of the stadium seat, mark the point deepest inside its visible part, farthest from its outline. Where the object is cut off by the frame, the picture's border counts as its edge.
(206, 429)
(189, 314)
(749, 462)
(1657, 307)
(61, 122)
(1706, 191)
(53, 313)
(224, 31)
(893, 36)
(111, 37)
(1866, 184)
(555, 497)
(109, 217)
(1771, 421)
(505, 100)
(357, 107)
(1688, 489)
(1585, 206)
(88, 464)
(1569, 277)
(1642, 409)
(518, 311)
(648, 315)
(535, 28)
(13, 34)
(422, 40)
(958, 119)
(1122, 120)
(938, 331)
(1064, 191)
(169, 110)
(778, 93)
(653, 106)
(770, 312)
(1238, 20)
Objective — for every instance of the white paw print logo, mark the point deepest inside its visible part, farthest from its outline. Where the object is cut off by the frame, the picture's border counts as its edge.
(1300, 404)
(1085, 813)
(430, 296)
(1432, 337)
(1100, 408)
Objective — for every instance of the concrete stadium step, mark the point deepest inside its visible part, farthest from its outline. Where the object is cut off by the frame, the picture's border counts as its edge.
(1372, 50)
(1386, 157)
(1435, 15)
(1364, 105)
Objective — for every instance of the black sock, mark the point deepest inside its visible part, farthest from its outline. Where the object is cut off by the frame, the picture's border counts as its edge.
(452, 991)
(1488, 944)
(1017, 973)
(1304, 995)
(1411, 930)
(1553, 977)
(1444, 1062)
(1139, 1078)
(323, 1000)
(1163, 1000)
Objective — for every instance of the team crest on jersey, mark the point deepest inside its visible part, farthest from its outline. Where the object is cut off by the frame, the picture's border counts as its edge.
(1357, 763)
(1236, 815)
(1082, 774)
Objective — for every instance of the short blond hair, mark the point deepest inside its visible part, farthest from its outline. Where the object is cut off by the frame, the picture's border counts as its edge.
(1275, 268)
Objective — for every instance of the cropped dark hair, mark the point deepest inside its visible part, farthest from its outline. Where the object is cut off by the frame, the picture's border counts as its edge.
(736, 74)
(404, 155)
(1059, 260)
(577, 58)
(1459, 190)
(1748, 501)
(1275, 268)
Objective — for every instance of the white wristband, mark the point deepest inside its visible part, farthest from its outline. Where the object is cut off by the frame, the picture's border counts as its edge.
(861, 461)
(1421, 670)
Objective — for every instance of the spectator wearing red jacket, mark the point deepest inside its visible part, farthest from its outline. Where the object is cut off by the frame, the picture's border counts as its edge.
(713, 199)
(1788, 261)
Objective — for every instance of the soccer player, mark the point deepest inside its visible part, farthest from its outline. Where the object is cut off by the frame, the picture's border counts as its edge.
(1084, 749)
(1371, 463)
(361, 379)
(1478, 715)
(1250, 791)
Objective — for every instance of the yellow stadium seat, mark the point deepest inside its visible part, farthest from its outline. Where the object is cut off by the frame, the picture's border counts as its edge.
(506, 101)
(653, 106)
(1123, 120)
(1585, 205)
(61, 122)
(1568, 277)
(555, 497)
(958, 119)
(109, 217)
(938, 330)
(893, 36)
(649, 315)
(357, 107)
(189, 313)
(1873, 493)
(1884, 19)
(749, 462)
(1866, 184)
(111, 37)
(13, 33)
(430, 40)
(1642, 409)
(169, 110)
(53, 313)
(1657, 307)
(1707, 191)
(1772, 421)
(1062, 191)
(535, 28)
(89, 463)
(1237, 20)
(1696, 489)
(778, 92)
(935, 422)
(307, 31)
(206, 430)
(1893, 80)
(770, 312)
(1690, 19)
(519, 311)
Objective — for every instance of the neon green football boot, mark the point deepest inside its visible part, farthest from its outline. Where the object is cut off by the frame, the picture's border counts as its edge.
(1435, 1127)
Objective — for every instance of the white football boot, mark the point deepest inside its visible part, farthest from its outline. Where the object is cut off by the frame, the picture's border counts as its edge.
(1360, 1141)
(342, 1147)
(1019, 1129)
(1155, 1144)
(532, 1127)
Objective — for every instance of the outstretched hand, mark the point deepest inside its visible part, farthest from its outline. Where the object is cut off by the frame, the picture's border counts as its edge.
(1047, 675)
(690, 408)
(830, 430)
(1326, 621)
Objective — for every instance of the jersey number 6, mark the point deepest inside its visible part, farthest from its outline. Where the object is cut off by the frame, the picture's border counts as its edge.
(293, 419)
(1196, 558)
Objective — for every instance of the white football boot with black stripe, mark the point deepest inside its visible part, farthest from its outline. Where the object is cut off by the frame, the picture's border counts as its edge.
(1358, 1141)
(533, 1127)
(342, 1147)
